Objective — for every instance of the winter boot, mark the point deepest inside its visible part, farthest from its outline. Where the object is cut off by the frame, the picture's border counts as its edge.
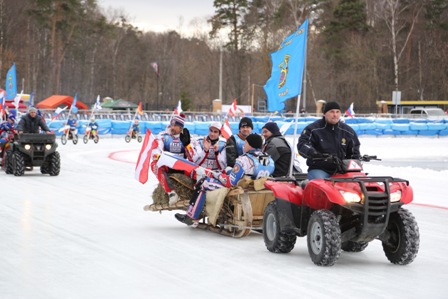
(184, 218)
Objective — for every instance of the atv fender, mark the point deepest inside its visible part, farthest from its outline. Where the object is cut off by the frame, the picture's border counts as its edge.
(286, 190)
(321, 194)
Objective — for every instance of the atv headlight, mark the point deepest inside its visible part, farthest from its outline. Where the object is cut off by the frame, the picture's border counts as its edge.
(350, 197)
(396, 196)
(48, 146)
(27, 147)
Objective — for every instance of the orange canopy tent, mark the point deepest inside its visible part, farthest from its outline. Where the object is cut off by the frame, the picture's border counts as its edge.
(57, 100)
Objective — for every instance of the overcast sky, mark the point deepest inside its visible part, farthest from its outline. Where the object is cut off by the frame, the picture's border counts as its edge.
(160, 16)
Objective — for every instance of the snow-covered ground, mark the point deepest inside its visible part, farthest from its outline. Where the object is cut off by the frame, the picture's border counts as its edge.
(84, 234)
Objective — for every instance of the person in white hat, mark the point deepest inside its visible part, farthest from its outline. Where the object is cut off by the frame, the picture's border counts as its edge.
(209, 151)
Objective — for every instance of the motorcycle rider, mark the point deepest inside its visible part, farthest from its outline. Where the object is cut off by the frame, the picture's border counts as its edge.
(253, 163)
(135, 128)
(209, 152)
(73, 123)
(176, 141)
(30, 123)
(93, 125)
(234, 146)
(324, 137)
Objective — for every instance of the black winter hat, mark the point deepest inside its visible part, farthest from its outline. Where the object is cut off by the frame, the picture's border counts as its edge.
(330, 106)
(272, 127)
(255, 140)
(246, 121)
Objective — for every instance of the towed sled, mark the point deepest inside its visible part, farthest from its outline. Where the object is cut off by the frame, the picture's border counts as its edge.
(232, 211)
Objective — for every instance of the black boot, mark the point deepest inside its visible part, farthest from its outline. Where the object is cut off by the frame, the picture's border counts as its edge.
(184, 218)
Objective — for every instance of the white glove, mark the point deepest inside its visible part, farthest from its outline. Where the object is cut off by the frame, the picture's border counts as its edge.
(200, 173)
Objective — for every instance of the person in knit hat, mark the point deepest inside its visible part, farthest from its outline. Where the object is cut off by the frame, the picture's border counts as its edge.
(327, 136)
(253, 163)
(234, 146)
(176, 140)
(277, 147)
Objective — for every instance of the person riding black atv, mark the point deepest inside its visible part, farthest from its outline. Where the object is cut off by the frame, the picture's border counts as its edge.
(29, 150)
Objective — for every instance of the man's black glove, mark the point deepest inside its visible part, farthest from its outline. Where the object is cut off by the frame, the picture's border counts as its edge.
(317, 155)
(185, 137)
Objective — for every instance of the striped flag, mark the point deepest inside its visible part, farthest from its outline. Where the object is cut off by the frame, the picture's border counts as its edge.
(233, 108)
(350, 112)
(175, 162)
(226, 131)
(142, 166)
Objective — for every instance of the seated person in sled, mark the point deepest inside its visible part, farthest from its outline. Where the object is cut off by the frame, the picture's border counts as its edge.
(7, 132)
(252, 163)
(176, 141)
(234, 145)
(279, 149)
(327, 136)
(209, 151)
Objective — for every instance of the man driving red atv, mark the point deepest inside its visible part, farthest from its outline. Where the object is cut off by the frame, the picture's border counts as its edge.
(327, 136)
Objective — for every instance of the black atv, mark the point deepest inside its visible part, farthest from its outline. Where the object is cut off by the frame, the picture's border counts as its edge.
(29, 150)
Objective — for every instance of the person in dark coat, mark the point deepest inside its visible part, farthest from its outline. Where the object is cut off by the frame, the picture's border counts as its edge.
(31, 123)
(328, 135)
(277, 147)
(234, 145)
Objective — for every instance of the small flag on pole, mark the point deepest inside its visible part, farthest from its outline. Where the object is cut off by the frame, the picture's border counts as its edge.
(233, 108)
(178, 109)
(350, 112)
(226, 131)
(140, 109)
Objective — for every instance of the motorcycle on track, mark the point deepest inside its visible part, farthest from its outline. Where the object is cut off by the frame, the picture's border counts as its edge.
(69, 134)
(91, 133)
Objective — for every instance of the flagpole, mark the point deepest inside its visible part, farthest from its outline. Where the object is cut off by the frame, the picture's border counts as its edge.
(294, 147)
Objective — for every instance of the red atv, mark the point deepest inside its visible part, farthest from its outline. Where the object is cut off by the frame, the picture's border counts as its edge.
(345, 211)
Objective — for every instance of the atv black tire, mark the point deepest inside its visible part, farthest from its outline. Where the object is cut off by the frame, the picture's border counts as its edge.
(324, 238)
(275, 240)
(44, 168)
(55, 164)
(351, 246)
(403, 243)
(18, 164)
(8, 162)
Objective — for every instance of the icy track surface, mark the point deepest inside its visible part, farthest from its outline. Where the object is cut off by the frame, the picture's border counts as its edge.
(84, 235)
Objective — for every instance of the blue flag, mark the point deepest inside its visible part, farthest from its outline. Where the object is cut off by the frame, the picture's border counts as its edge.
(287, 69)
(11, 83)
(73, 107)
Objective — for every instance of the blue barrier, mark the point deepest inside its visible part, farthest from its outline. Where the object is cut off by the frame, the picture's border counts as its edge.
(362, 126)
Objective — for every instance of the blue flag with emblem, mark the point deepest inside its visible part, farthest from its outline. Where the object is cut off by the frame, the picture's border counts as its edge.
(287, 69)
(11, 83)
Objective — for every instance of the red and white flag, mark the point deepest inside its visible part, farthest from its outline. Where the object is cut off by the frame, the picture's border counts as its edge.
(178, 109)
(142, 167)
(175, 162)
(233, 108)
(226, 131)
